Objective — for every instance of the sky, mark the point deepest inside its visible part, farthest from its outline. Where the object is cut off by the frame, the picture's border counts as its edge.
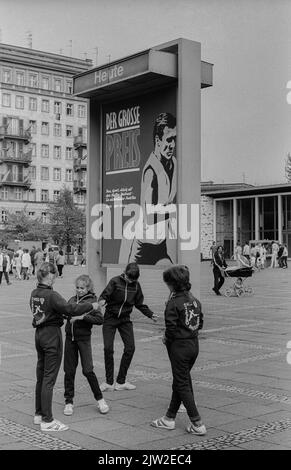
(246, 120)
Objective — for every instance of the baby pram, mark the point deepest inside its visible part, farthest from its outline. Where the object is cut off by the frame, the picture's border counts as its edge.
(238, 288)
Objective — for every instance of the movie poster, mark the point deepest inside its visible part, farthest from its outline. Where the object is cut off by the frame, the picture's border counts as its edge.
(139, 186)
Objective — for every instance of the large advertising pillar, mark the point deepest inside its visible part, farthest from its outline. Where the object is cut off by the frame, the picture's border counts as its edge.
(143, 194)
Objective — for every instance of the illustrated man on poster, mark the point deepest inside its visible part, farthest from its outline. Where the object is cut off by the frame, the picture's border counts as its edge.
(157, 198)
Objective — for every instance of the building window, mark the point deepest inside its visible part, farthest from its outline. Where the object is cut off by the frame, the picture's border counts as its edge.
(7, 76)
(57, 152)
(4, 216)
(32, 127)
(19, 102)
(33, 149)
(45, 106)
(69, 153)
(18, 194)
(45, 83)
(31, 214)
(57, 130)
(32, 80)
(69, 175)
(56, 195)
(44, 195)
(4, 194)
(32, 195)
(57, 174)
(45, 128)
(70, 109)
(20, 78)
(6, 100)
(44, 173)
(32, 104)
(58, 84)
(32, 171)
(81, 111)
(44, 217)
(45, 151)
(57, 107)
(81, 198)
(69, 131)
(69, 87)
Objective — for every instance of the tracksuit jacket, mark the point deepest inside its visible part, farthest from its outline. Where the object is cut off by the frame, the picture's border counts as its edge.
(183, 316)
(81, 329)
(121, 296)
(48, 307)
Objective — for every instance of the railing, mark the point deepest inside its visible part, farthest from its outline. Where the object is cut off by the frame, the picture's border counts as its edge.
(79, 140)
(79, 185)
(79, 163)
(9, 133)
(21, 157)
(7, 180)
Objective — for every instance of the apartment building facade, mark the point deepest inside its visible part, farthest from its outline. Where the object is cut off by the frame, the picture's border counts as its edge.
(43, 130)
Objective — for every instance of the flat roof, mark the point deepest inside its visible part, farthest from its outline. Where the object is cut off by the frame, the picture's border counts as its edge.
(241, 190)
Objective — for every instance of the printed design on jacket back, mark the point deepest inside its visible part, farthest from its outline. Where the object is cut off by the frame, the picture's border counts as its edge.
(38, 312)
(192, 315)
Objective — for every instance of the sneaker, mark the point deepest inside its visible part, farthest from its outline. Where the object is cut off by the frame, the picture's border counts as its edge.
(55, 425)
(69, 409)
(125, 386)
(105, 387)
(103, 407)
(182, 409)
(198, 428)
(163, 423)
(37, 419)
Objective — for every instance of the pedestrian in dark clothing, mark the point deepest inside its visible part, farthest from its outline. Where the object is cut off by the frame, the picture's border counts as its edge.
(218, 270)
(48, 308)
(183, 319)
(32, 254)
(120, 296)
(78, 342)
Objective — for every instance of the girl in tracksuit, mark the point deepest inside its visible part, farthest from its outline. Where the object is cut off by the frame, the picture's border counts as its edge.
(48, 308)
(78, 343)
(120, 296)
(183, 319)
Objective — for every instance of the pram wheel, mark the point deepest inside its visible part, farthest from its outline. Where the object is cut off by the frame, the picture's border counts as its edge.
(228, 292)
(249, 290)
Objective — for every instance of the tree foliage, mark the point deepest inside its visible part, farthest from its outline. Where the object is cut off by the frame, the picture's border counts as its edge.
(21, 226)
(288, 168)
(67, 221)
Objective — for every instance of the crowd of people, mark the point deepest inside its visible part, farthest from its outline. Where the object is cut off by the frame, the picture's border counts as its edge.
(253, 256)
(112, 310)
(23, 263)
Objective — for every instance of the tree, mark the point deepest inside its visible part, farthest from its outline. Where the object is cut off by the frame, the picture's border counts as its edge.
(288, 167)
(21, 226)
(67, 221)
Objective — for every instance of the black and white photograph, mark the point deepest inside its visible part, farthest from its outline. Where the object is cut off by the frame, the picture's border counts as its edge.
(145, 229)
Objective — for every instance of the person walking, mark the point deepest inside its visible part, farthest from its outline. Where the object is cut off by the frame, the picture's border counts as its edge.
(32, 254)
(60, 260)
(78, 343)
(275, 249)
(75, 257)
(48, 308)
(183, 320)
(284, 257)
(120, 296)
(219, 265)
(246, 250)
(38, 258)
(4, 266)
(212, 250)
(238, 253)
(26, 264)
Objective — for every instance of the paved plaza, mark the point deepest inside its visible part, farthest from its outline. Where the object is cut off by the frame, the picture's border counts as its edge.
(242, 381)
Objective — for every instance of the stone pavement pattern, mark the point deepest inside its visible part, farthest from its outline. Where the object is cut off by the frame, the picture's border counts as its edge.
(242, 381)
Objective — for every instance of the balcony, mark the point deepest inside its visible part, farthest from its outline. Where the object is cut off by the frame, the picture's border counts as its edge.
(79, 186)
(7, 180)
(80, 141)
(6, 132)
(23, 158)
(80, 164)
